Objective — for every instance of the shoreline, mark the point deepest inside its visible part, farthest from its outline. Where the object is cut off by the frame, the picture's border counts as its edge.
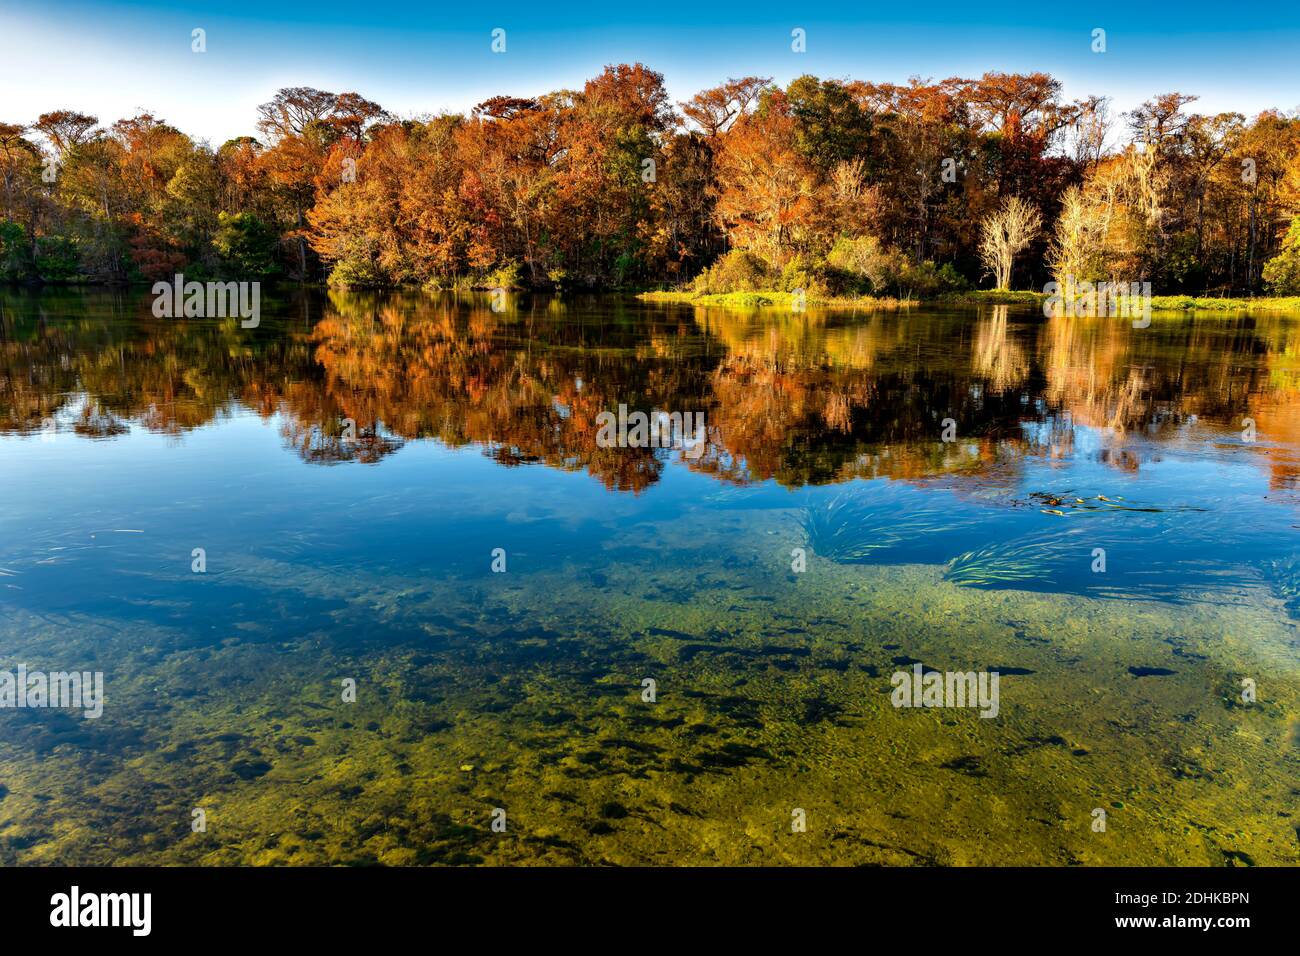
(771, 299)
(756, 300)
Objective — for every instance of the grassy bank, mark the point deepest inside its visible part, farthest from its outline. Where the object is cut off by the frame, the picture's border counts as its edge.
(1159, 303)
(784, 300)
(770, 299)
(1186, 303)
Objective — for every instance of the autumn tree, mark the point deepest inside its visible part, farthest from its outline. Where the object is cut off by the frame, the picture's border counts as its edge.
(1006, 234)
(17, 157)
(766, 186)
(66, 129)
(714, 110)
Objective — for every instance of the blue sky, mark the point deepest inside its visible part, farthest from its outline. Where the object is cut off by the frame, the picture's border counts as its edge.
(113, 59)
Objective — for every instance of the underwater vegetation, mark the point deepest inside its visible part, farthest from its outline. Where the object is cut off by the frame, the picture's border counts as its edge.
(853, 527)
(1011, 562)
(1182, 585)
(1125, 550)
(1167, 563)
(1068, 503)
(1284, 580)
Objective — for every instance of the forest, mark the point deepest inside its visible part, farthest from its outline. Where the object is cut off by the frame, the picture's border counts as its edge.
(833, 186)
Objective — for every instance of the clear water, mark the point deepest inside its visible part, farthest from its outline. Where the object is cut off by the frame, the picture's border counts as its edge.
(126, 442)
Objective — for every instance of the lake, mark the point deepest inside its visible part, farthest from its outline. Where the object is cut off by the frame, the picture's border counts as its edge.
(367, 585)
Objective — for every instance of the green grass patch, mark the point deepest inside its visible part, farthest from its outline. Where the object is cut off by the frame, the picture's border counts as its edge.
(771, 299)
(1159, 303)
(1188, 303)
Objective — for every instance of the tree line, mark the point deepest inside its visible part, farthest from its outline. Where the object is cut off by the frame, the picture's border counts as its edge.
(826, 185)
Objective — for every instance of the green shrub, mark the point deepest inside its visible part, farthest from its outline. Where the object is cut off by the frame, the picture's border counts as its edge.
(810, 275)
(737, 271)
(875, 268)
(247, 246)
(925, 281)
(13, 252)
(853, 268)
(57, 258)
(507, 275)
(358, 270)
(1282, 272)
(444, 283)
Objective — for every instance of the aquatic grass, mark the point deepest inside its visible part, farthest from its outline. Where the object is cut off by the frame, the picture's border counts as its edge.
(1154, 555)
(1182, 577)
(1010, 562)
(1159, 303)
(852, 528)
(1068, 503)
(1222, 587)
(1283, 576)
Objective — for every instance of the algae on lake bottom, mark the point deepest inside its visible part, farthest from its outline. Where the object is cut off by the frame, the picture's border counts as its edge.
(525, 694)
